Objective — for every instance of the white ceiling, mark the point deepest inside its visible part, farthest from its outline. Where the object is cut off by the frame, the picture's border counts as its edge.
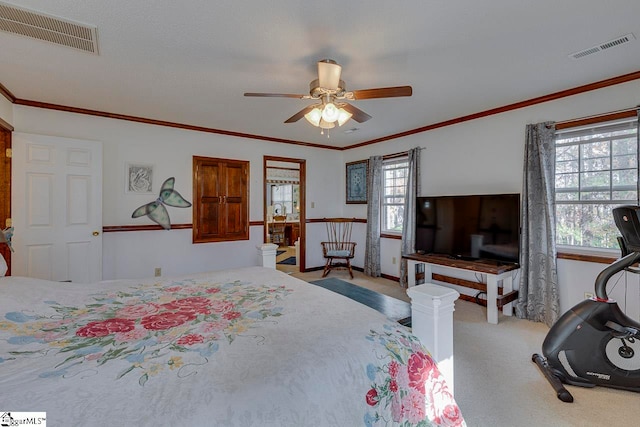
(191, 61)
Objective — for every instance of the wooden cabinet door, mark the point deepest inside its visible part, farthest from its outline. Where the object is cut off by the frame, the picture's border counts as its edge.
(207, 201)
(235, 201)
(221, 200)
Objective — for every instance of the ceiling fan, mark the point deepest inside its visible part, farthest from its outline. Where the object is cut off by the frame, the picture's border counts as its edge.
(331, 92)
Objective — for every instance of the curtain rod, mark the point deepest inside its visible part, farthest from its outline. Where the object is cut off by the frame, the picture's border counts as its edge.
(401, 154)
(627, 112)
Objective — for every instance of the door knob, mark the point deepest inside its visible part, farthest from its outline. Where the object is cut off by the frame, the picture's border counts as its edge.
(96, 233)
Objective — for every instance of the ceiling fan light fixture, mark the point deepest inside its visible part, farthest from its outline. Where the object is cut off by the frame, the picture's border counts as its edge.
(326, 125)
(343, 116)
(314, 116)
(329, 74)
(330, 112)
(329, 91)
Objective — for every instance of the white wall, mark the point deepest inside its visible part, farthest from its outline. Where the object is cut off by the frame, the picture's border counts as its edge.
(6, 110)
(137, 254)
(486, 156)
(577, 277)
(479, 156)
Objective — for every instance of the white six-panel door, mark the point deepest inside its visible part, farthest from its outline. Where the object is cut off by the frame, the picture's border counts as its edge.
(57, 208)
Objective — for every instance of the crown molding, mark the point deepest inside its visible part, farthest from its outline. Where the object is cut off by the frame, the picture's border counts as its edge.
(7, 93)
(510, 107)
(148, 121)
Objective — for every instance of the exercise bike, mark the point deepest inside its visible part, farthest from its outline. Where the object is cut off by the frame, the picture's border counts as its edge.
(595, 343)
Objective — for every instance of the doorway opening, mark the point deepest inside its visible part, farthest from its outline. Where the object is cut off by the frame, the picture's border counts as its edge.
(284, 210)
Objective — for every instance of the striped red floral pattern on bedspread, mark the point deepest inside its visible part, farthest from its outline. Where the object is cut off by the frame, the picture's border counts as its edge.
(150, 329)
(406, 383)
(243, 347)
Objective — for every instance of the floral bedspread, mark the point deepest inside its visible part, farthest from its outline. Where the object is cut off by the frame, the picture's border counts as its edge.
(232, 348)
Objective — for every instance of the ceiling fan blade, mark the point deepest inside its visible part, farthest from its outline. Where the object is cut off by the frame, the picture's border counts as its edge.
(358, 115)
(329, 74)
(276, 95)
(300, 114)
(383, 92)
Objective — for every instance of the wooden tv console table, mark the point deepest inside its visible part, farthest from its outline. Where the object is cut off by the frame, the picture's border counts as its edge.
(494, 272)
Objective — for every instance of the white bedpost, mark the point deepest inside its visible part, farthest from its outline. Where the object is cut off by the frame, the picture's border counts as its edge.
(432, 309)
(267, 255)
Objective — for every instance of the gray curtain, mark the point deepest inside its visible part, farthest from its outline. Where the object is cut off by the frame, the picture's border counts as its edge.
(538, 298)
(374, 191)
(409, 214)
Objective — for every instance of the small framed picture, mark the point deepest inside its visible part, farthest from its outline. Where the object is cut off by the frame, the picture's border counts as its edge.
(139, 178)
(357, 181)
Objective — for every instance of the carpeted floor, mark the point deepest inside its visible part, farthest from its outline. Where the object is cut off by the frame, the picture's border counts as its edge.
(288, 261)
(497, 384)
(393, 308)
(285, 252)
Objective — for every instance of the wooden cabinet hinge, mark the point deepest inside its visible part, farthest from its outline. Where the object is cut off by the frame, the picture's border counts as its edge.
(8, 153)
(8, 223)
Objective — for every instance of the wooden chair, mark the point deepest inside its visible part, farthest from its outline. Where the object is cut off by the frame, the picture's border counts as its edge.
(339, 245)
(278, 229)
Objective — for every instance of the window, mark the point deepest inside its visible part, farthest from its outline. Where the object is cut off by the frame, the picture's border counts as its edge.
(394, 176)
(283, 194)
(596, 170)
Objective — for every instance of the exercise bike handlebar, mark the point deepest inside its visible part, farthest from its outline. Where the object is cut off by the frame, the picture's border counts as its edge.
(613, 268)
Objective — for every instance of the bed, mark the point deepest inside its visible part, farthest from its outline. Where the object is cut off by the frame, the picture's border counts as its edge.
(240, 347)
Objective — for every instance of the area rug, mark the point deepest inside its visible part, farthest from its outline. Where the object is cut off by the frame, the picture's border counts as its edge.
(288, 261)
(393, 308)
(278, 253)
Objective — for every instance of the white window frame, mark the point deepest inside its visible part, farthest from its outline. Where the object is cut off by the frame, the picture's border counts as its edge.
(391, 197)
(283, 193)
(581, 137)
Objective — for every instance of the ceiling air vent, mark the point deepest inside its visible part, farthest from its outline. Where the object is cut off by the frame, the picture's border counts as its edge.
(603, 46)
(25, 22)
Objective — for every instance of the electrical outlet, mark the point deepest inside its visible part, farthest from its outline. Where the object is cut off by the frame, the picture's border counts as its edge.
(313, 205)
(588, 295)
(393, 260)
(158, 272)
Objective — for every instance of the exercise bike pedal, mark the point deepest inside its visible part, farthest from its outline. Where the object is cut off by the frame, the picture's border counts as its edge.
(561, 392)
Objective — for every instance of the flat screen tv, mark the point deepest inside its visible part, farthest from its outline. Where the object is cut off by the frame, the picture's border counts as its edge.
(474, 227)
